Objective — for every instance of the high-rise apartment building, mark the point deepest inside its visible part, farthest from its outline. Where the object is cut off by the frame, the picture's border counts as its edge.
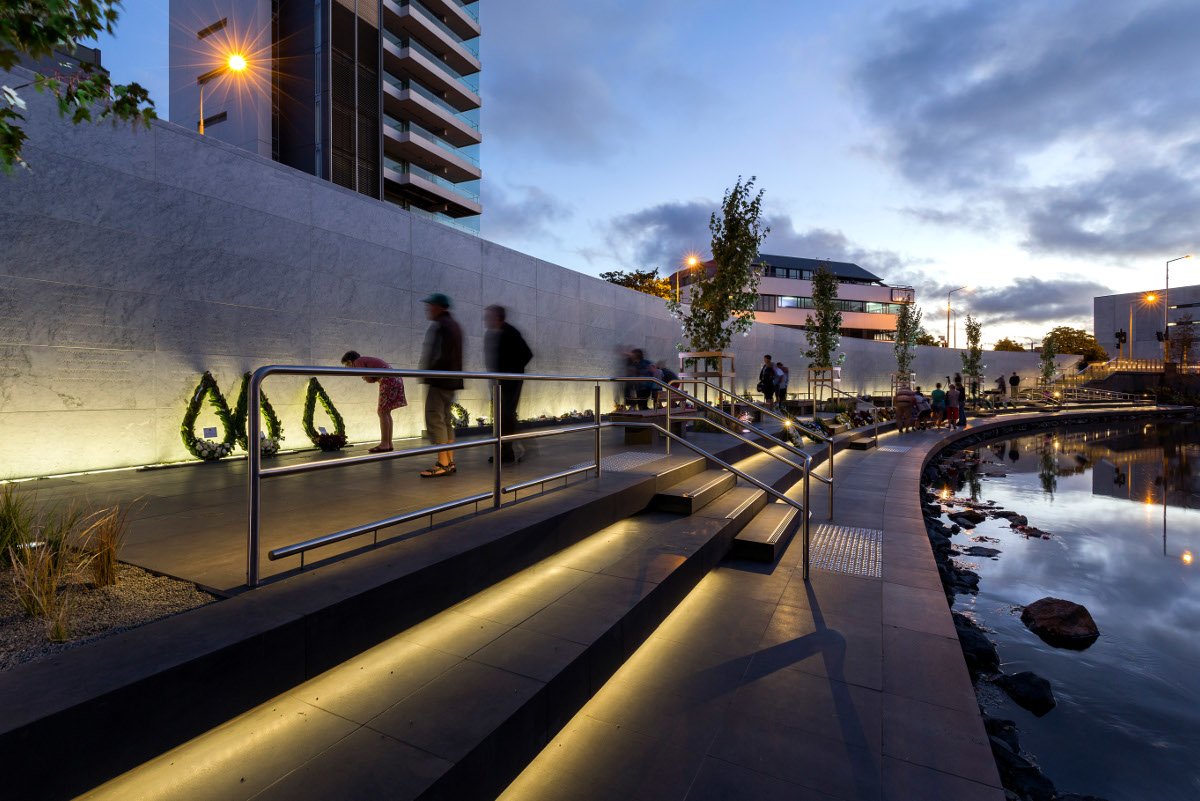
(379, 96)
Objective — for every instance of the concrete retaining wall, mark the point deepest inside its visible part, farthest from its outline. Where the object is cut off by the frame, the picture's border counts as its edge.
(132, 261)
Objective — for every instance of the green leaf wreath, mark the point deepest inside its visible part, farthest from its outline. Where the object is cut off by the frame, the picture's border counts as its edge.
(272, 428)
(203, 448)
(326, 442)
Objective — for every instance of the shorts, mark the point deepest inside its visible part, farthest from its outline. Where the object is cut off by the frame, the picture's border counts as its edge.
(439, 421)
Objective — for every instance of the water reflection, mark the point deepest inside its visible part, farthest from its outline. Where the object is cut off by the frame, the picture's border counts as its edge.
(1116, 501)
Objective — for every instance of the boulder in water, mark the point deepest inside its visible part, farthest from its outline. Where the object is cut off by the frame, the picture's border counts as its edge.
(1060, 623)
(1029, 690)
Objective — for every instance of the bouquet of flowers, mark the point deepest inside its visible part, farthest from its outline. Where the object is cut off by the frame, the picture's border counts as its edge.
(210, 451)
(331, 442)
(268, 446)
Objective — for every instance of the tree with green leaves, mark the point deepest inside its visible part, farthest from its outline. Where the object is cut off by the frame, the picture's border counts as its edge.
(824, 327)
(647, 281)
(39, 29)
(1046, 361)
(925, 338)
(1077, 341)
(1008, 345)
(908, 330)
(1183, 339)
(721, 305)
(972, 357)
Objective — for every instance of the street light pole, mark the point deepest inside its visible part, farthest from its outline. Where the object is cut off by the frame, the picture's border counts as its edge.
(1166, 306)
(948, 294)
(235, 63)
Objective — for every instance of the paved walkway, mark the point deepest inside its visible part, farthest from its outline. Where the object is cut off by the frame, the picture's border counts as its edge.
(761, 686)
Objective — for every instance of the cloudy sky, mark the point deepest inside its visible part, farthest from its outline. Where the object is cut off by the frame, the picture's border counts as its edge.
(1041, 153)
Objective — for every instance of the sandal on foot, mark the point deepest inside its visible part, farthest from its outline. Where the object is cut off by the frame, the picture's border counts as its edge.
(438, 470)
(379, 449)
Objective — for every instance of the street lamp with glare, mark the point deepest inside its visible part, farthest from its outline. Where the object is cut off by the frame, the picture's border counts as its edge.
(1148, 299)
(234, 64)
(691, 262)
(1166, 306)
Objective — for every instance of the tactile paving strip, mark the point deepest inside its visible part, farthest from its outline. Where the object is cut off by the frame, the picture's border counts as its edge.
(845, 549)
(895, 448)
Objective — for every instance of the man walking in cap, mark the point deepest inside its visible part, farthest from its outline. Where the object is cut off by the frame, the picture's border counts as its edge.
(442, 351)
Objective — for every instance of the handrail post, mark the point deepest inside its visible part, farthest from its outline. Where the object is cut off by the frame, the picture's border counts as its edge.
(253, 466)
(804, 524)
(596, 418)
(831, 479)
(498, 449)
(668, 420)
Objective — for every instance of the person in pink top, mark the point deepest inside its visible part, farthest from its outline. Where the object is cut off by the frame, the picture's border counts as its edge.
(391, 394)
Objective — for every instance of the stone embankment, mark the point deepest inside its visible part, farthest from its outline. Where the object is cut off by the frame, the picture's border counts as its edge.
(1060, 623)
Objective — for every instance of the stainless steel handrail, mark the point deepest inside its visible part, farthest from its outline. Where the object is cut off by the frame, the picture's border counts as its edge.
(784, 419)
(787, 423)
(256, 472)
(801, 506)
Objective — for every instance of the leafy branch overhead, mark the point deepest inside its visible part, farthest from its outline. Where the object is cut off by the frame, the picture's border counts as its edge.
(647, 281)
(40, 29)
(721, 305)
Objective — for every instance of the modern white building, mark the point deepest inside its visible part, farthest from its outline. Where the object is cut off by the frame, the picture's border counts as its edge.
(378, 96)
(1140, 317)
(868, 305)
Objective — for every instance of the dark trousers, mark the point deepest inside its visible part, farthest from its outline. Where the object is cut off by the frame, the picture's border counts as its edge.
(510, 396)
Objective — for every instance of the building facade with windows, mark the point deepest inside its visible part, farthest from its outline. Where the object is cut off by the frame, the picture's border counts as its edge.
(378, 96)
(868, 305)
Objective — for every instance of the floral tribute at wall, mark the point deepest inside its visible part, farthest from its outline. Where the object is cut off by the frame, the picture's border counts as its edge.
(327, 441)
(202, 447)
(272, 430)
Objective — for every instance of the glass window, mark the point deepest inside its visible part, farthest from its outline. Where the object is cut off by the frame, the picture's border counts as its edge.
(787, 302)
(765, 303)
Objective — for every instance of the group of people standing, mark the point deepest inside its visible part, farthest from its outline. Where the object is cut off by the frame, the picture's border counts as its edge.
(773, 381)
(505, 351)
(942, 407)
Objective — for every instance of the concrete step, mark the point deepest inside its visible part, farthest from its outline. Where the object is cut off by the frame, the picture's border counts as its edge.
(244, 650)
(693, 494)
(860, 441)
(457, 706)
(765, 538)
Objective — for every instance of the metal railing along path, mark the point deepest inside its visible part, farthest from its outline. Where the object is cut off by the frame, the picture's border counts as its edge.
(787, 422)
(256, 472)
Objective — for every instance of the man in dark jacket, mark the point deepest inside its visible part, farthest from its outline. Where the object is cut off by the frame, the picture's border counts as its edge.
(442, 351)
(766, 380)
(505, 351)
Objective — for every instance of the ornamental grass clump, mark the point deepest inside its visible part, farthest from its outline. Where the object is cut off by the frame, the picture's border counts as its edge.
(17, 520)
(102, 539)
(44, 562)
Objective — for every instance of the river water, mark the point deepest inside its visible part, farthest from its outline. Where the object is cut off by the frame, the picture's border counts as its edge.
(1123, 509)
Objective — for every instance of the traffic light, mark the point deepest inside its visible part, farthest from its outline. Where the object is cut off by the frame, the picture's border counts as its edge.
(1120, 337)
(1162, 337)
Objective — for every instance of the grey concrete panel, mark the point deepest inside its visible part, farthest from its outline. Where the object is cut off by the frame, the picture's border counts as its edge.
(432, 240)
(189, 161)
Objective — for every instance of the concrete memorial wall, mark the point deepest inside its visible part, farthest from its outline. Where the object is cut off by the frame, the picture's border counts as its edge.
(133, 261)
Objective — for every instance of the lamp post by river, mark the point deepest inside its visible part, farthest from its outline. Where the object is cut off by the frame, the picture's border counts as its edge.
(1166, 307)
(1146, 300)
(948, 294)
